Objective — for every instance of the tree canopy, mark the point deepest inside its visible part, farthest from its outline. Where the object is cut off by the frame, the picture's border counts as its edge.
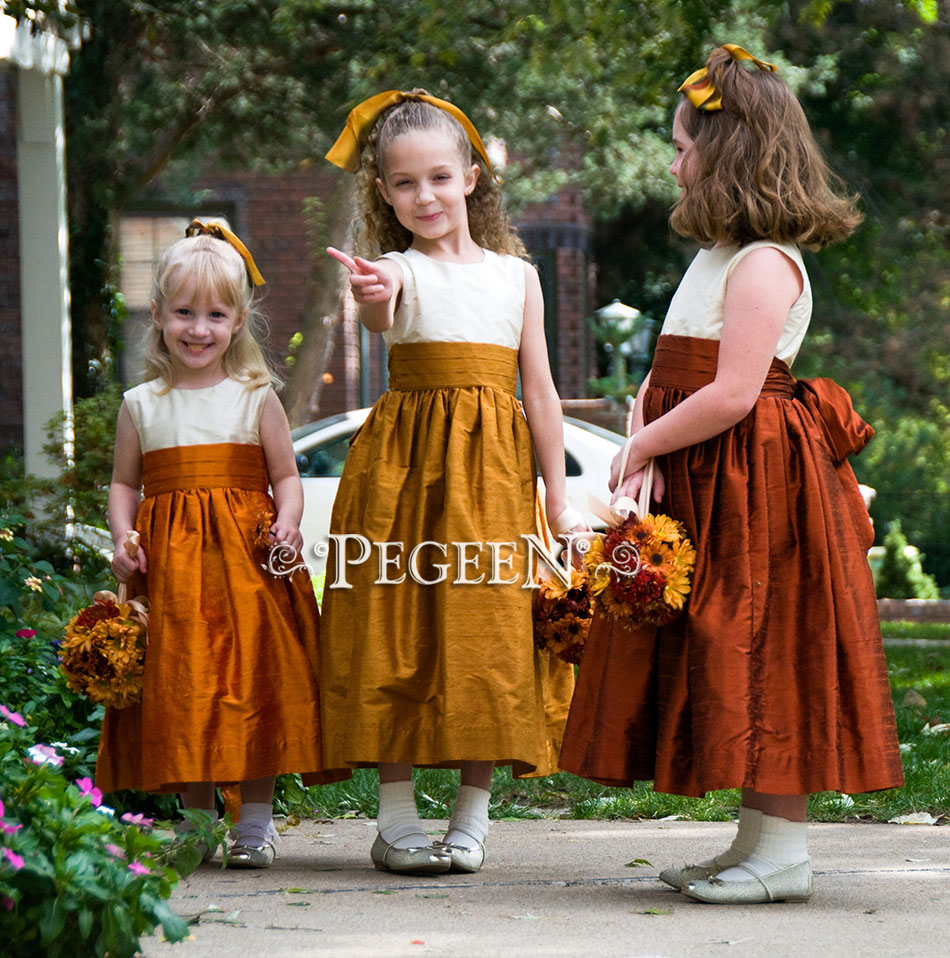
(582, 92)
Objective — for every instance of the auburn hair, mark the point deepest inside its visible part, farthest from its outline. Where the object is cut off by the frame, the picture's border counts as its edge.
(754, 169)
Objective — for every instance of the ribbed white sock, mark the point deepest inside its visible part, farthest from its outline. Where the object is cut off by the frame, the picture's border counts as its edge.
(780, 844)
(469, 822)
(398, 818)
(750, 820)
(256, 824)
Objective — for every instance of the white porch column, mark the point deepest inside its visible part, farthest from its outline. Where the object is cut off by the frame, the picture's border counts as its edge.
(44, 263)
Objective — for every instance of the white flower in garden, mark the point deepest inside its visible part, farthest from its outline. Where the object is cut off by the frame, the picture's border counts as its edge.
(44, 755)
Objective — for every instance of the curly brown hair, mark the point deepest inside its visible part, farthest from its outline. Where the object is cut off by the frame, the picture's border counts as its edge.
(755, 170)
(381, 231)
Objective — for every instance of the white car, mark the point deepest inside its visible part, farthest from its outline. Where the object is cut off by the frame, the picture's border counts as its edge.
(321, 449)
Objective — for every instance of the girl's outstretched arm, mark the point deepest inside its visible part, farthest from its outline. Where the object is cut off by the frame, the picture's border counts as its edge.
(540, 400)
(376, 287)
(282, 472)
(760, 292)
(125, 492)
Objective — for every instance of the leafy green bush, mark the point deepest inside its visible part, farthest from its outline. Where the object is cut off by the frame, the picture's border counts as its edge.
(899, 575)
(74, 879)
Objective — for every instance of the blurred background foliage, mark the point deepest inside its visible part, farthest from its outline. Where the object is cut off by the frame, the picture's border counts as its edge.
(582, 93)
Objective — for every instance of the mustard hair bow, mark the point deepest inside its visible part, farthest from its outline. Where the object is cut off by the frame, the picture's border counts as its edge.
(198, 228)
(699, 89)
(345, 153)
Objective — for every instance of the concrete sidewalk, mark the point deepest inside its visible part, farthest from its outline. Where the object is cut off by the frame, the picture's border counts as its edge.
(562, 888)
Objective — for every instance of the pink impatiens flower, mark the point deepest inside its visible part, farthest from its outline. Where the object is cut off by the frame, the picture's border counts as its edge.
(14, 717)
(4, 827)
(137, 819)
(13, 858)
(115, 850)
(136, 868)
(86, 787)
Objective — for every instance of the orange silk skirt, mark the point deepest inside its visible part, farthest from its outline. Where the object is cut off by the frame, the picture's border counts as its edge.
(436, 674)
(230, 691)
(774, 678)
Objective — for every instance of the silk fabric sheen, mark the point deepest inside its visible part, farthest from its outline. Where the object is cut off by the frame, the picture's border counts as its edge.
(229, 691)
(774, 679)
(436, 674)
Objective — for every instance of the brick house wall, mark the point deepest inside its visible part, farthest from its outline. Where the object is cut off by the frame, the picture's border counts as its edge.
(11, 357)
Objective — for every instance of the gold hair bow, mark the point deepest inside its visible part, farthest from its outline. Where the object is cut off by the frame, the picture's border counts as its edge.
(197, 228)
(345, 153)
(698, 87)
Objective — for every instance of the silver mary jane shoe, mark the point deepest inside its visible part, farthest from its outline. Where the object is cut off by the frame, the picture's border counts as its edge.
(790, 884)
(463, 859)
(678, 877)
(242, 855)
(421, 860)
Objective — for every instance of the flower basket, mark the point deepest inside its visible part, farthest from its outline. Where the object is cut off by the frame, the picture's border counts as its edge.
(640, 568)
(102, 653)
(562, 616)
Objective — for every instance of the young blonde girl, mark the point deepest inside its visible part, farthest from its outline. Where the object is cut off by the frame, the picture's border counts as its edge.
(774, 679)
(229, 692)
(438, 668)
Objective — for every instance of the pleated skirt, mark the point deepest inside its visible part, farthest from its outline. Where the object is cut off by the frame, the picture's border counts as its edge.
(435, 674)
(774, 679)
(229, 691)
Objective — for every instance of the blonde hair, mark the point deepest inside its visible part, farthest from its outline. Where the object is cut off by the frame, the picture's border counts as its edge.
(755, 170)
(382, 232)
(215, 267)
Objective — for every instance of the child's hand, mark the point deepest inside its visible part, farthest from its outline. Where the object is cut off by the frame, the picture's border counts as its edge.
(125, 566)
(635, 464)
(569, 528)
(286, 533)
(630, 486)
(370, 283)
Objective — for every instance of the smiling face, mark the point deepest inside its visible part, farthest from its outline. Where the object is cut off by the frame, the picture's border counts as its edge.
(197, 326)
(683, 144)
(426, 181)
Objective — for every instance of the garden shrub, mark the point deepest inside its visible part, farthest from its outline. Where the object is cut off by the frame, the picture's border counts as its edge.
(76, 878)
(899, 575)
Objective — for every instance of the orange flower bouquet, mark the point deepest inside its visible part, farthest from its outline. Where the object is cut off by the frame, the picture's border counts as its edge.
(562, 616)
(640, 568)
(102, 653)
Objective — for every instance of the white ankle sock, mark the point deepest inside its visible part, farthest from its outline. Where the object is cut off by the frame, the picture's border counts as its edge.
(469, 822)
(780, 844)
(398, 818)
(256, 824)
(750, 820)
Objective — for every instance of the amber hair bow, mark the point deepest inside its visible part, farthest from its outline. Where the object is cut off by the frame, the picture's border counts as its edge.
(699, 89)
(197, 228)
(345, 153)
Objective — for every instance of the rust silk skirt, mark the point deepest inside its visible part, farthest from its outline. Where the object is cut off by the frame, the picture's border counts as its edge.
(436, 674)
(230, 691)
(774, 679)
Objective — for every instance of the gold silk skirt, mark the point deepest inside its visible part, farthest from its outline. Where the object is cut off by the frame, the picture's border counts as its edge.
(436, 674)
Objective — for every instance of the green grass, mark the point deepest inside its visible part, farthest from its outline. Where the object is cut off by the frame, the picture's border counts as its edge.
(926, 758)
